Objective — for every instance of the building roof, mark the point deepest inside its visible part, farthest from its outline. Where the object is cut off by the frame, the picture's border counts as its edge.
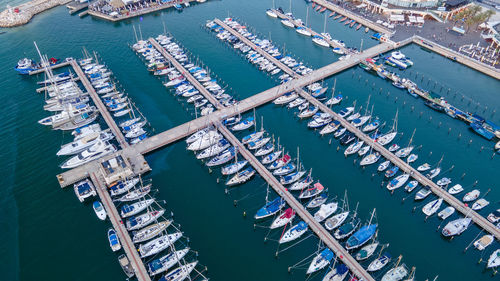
(456, 3)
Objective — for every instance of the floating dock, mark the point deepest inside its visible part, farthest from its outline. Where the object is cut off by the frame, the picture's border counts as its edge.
(41, 70)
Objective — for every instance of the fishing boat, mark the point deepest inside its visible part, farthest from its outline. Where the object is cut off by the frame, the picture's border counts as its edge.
(446, 212)
(294, 232)
(337, 274)
(422, 193)
(241, 177)
(180, 273)
(325, 211)
(484, 242)
(320, 261)
(479, 204)
(398, 182)
(433, 173)
(456, 227)
(208, 139)
(135, 208)
(215, 149)
(383, 166)
(126, 266)
(379, 263)
(283, 219)
(346, 229)
(114, 243)
(84, 189)
(360, 237)
(150, 232)
(335, 221)
(471, 196)
(392, 171)
(370, 159)
(159, 244)
(243, 125)
(99, 210)
(164, 263)
(423, 167)
(494, 216)
(233, 168)
(135, 194)
(457, 188)
(134, 223)
(271, 208)
(443, 182)
(494, 260)
(366, 252)
(313, 191)
(430, 208)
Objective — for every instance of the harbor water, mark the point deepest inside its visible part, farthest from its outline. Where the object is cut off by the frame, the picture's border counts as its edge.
(49, 235)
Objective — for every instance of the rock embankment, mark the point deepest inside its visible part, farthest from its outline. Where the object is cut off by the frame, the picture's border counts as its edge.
(19, 15)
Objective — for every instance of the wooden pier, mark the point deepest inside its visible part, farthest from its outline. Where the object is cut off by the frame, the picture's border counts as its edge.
(365, 22)
(100, 105)
(41, 70)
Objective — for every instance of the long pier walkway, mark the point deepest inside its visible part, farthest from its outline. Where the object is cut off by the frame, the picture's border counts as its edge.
(125, 240)
(186, 74)
(368, 23)
(54, 66)
(315, 226)
(100, 105)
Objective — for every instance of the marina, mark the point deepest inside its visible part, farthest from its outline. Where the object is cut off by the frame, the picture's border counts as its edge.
(221, 129)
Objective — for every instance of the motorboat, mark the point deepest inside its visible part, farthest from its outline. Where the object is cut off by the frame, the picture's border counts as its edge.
(457, 188)
(446, 212)
(430, 208)
(484, 242)
(443, 182)
(150, 232)
(164, 263)
(320, 261)
(271, 208)
(84, 189)
(456, 227)
(471, 196)
(335, 221)
(126, 265)
(99, 210)
(114, 243)
(411, 186)
(383, 166)
(422, 193)
(96, 151)
(424, 167)
(294, 232)
(494, 216)
(325, 211)
(286, 217)
(159, 244)
(480, 204)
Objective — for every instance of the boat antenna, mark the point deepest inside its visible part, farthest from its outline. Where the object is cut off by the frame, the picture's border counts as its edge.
(298, 159)
(267, 193)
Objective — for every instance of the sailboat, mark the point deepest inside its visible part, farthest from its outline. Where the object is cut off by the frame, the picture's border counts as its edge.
(270, 208)
(180, 273)
(134, 223)
(325, 211)
(320, 261)
(150, 232)
(388, 137)
(283, 219)
(337, 274)
(363, 235)
(159, 244)
(494, 260)
(430, 208)
(241, 177)
(398, 182)
(293, 233)
(366, 252)
(379, 263)
(397, 273)
(162, 264)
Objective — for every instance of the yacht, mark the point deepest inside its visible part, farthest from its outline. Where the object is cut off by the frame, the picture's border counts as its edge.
(164, 263)
(456, 227)
(96, 151)
(159, 244)
(99, 210)
(325, 211)
(336, 220)
(283, 219)
(205, 141)
(294, 232)
(320, 261)
(180, 273)
(84, 189)
(430, 208)
(85, 142)
(135, 208)
(150, 232)
(134, 223)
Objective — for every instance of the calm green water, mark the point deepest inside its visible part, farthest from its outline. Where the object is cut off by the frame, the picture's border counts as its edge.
(48, 235)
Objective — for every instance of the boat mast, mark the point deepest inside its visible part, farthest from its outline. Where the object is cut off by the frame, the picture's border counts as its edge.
(274, 7)
(373, 214)
(262, 123)
(135, 33)
(254, 121)
(307, 14)
(367, 104)
(411, 139)
(298, 159)
(395, 124)
(290, 9)
(324, 25)
(412, 273)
